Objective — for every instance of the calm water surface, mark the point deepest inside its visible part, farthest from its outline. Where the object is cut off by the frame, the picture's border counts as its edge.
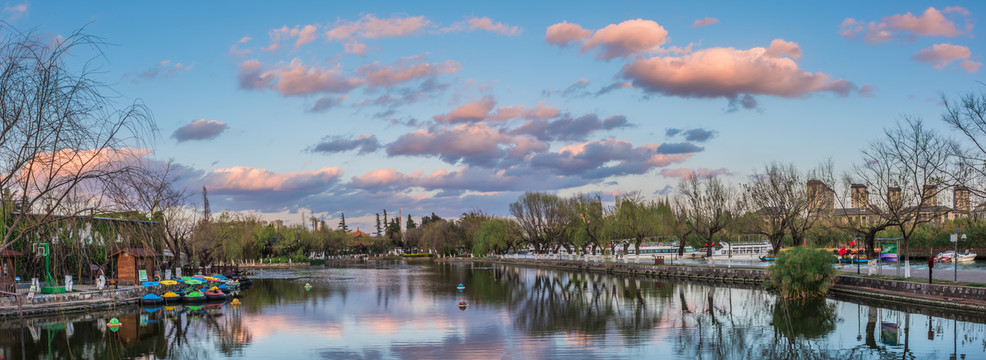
(410, 310)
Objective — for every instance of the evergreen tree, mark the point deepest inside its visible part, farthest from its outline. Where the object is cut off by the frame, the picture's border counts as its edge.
(379, 228)
(342, 223)
(386, 224)
(410, 223)
(394, 232)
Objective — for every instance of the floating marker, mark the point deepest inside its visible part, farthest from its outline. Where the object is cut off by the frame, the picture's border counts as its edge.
(463, 305)
(114, 324)
(461, 287)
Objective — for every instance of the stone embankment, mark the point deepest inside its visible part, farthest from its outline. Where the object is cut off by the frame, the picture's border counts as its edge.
(946, 297)
(47, 304)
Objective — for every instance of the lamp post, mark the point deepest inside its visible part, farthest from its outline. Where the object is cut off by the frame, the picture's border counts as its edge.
(955, 256)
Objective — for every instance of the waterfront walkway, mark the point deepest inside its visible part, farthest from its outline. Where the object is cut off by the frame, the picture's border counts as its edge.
(966, 276)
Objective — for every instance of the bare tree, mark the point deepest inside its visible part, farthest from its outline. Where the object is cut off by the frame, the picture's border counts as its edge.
(153, 189)
(61, 135)
(896, 185)
(968, 116)
(588, 219)
(636, 219)
(784, 204)
(543, 218)
(710, 206)
(920, 161)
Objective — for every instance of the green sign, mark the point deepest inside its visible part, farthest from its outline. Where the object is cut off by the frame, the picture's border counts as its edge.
(142, 275)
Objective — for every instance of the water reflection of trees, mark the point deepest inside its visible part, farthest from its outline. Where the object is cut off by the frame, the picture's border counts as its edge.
(168, 332)
(702, 321)
(588, 304)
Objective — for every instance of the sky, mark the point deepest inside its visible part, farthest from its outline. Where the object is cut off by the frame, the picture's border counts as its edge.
(300, 109)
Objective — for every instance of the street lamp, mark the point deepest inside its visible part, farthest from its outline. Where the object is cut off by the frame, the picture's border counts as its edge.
(955, 256)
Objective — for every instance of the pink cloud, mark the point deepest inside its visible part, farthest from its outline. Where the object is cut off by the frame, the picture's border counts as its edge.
(971, 66)
(247, 179)
(66, 164)
(377, 74)
(378, 178)
(779, 48)
(564, 34)
(705, 22)
(956, 9)
(907, 26)
(371, 27)
(626, 39)
(485, 23)
(703, 173)
(931, 23)
(295, 78)
(244, 40)
(302, 36)
(14, 12)
(472, 111)
(868, 91)
(729, 73)
(941, 55)
(354, 47)
(540, 111)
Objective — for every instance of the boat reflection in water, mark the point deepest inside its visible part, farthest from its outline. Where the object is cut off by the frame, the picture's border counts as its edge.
(401, 310)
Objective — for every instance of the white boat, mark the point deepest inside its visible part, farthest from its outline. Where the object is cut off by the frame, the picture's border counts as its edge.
(665, 250)
(947, 256)
(743, 250)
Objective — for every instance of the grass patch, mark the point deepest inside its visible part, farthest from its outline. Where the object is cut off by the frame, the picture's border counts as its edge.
(416, 255)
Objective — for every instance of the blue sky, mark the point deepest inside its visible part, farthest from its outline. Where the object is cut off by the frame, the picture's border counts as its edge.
(356, 107)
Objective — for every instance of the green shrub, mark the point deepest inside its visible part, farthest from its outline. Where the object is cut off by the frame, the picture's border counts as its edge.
(316, 261)
(802, 273)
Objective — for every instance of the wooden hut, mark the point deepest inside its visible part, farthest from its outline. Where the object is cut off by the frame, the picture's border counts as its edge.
(130, 261)
(8, 268)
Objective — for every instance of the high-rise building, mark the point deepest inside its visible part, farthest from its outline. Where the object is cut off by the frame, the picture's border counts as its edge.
(894, 200)
(822, 195)
(960, 199)
(860, 197)
(929, 195)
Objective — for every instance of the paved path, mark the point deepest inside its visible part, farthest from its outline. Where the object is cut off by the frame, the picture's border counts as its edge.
(969, 276)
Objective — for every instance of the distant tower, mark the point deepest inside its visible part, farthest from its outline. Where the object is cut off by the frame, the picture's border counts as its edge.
(960, 199)
(821, 194)
(860, 197)
(895, 201)
(929, 195)
(278, 224)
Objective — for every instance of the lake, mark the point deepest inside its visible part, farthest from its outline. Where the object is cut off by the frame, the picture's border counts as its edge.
(397, 309)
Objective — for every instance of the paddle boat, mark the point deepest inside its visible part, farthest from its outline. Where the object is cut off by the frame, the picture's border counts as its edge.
(214, 294)
(169, 282)
(149, 283)
(193, 296)
(171, 297)
(151, 299)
